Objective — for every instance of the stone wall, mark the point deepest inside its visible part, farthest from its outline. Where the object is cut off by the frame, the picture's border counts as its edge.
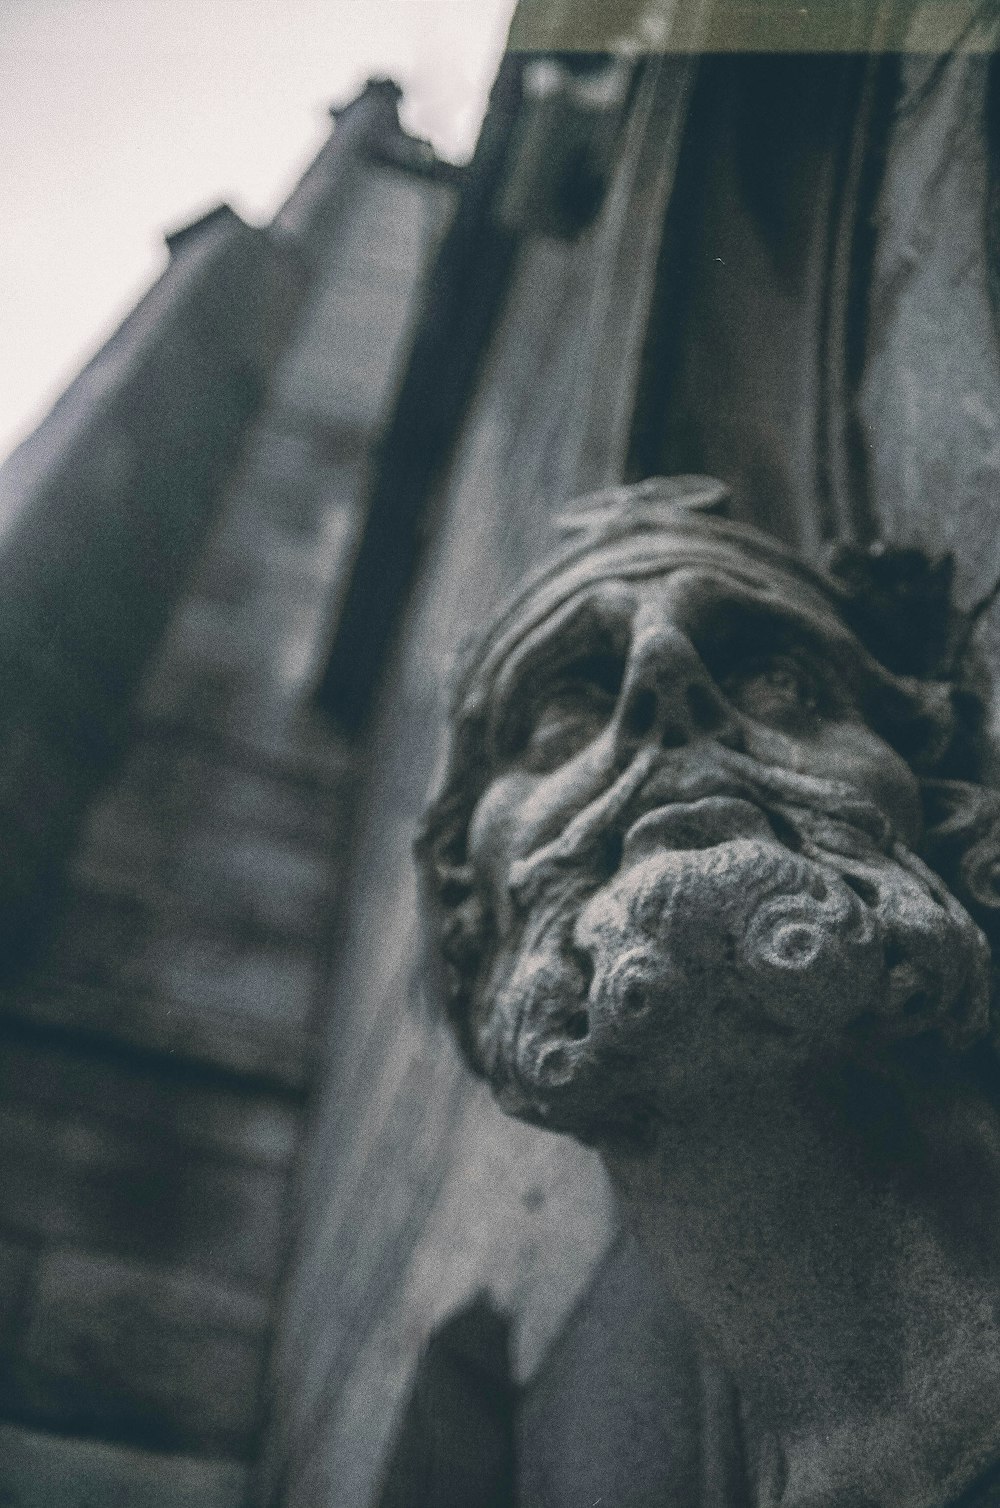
(157, 1049)
(929, 396)
(788, 343)
(102, 511)
(416, 1192)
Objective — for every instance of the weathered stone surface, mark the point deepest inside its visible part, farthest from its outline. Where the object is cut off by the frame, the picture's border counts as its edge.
(18, 1266)
(669, 725)
(139, 1192)
(52, 1471)
(678, 866)
(138, 1352)
(218, 1118)
(275, 1053)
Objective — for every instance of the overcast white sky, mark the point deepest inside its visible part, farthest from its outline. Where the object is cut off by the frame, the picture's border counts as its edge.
(120, 119)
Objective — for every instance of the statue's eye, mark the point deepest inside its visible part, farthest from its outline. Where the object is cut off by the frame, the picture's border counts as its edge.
(560, 728)
(778, 689)
(569, 713)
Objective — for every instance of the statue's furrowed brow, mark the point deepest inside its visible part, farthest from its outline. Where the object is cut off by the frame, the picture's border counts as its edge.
(731, 617)
(596, 621)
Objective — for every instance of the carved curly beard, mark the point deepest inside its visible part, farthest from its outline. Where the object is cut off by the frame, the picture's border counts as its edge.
(717, 949)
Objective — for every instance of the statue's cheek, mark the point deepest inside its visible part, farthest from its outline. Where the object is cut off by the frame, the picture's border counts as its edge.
(746, 956)
(730, 957)
(846, 750)
(521, 810)
(494, 836)
(693, 969)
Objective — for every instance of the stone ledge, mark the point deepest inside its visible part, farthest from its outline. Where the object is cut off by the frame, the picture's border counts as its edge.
(52, 1471)
(168, 779)
(207, 1113)
(252, 887)
(139, 1193)
(137, 1352)
(154, 946)
(273, 1054)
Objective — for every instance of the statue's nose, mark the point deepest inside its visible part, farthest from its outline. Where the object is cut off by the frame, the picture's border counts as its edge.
(669, 696)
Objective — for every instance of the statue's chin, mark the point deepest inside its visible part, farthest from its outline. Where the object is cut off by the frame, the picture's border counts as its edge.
(744, 947)
(736, 958)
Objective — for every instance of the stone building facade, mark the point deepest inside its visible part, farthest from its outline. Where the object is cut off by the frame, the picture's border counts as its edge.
(248, 1175)
(772, 264)
(179, 529)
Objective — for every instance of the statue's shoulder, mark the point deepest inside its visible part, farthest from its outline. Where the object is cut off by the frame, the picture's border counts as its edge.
(626, 1407)
(984, 1492)
(457, 1440)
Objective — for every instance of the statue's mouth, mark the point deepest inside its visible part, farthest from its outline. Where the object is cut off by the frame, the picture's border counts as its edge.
(769, 789)
(665, 803)
(702, 823)
(675, 809)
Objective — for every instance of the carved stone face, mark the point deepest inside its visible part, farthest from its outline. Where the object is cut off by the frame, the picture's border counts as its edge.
(696, 851)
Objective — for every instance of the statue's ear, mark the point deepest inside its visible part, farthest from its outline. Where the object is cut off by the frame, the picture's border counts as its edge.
(532, 1031)
(918, 718)
(455, 936)
(899, 603)
(962, 843)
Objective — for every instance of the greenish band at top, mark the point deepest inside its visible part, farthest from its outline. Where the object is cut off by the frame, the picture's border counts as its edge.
(782, 26)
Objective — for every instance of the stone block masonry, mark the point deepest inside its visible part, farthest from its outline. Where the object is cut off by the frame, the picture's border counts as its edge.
(157, 1046)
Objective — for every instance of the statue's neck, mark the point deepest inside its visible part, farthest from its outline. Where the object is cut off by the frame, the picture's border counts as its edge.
(839, 1246)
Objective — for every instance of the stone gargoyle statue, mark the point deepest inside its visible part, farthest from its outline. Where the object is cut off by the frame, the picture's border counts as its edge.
(702, 898)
